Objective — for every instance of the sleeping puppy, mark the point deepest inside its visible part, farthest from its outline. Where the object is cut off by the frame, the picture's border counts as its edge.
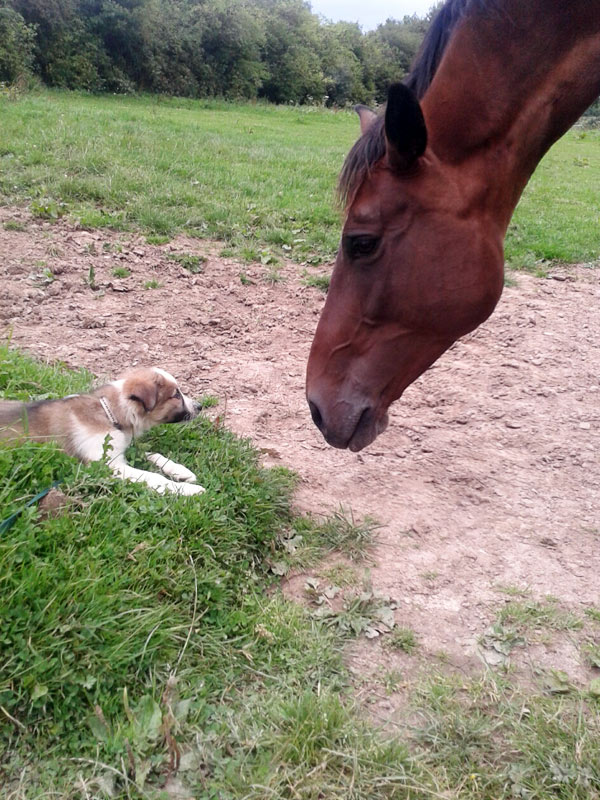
(105, 421)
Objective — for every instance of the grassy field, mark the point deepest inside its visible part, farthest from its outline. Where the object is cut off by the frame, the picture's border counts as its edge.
(260, 178)
(146, 651)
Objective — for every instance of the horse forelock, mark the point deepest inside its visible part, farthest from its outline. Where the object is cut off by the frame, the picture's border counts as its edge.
(370, 147)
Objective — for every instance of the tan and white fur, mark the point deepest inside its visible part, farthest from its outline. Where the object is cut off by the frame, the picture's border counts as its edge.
(90, 426)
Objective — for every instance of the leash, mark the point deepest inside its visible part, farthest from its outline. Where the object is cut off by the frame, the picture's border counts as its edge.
(6, 524)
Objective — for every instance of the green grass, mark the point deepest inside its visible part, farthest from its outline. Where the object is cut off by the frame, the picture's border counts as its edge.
(144, 637)
(139, 630)
(484, 738)
(259, 178)
(558, 218)
(255, 176)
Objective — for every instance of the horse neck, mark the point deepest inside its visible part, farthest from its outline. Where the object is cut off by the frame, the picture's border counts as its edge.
(515, 76)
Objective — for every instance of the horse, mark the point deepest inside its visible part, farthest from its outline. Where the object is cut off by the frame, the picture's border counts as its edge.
(429, 189)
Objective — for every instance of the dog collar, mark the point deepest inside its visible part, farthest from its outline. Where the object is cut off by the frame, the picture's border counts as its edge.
(109, 413)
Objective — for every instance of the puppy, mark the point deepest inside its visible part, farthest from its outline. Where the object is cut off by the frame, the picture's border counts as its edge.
(88, 426)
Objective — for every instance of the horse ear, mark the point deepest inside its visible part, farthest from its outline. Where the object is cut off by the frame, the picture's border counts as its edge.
(405, 130)
(367, 117)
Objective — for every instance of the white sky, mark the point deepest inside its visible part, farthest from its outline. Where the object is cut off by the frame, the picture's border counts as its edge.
(369, 13)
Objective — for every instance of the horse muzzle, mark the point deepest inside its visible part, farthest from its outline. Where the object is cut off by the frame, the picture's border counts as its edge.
(351, 424)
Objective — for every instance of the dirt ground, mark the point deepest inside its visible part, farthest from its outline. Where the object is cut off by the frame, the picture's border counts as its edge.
(486, 479)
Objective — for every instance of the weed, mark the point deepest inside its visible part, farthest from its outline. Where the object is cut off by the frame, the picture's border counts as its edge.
(193, 263)
(91, 278)
(208, 401)
(392, 681)
(592, 654)
(121, 272)
(512, 591)
(273, 274)
(351, 537)
(593, 613)
(13, 225)
(403, 639)
(158, 238)
(152, 284)
(320, 282)
(48, 209)
(363, 613)
(341, 575)
(43, 278)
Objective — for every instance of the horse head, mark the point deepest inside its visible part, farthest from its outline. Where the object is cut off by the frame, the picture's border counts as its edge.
(419, 265)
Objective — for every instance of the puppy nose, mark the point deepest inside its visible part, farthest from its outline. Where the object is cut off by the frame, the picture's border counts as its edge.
(197, 405)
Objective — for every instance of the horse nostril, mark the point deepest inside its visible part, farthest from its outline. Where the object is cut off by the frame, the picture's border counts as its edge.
(316, 415)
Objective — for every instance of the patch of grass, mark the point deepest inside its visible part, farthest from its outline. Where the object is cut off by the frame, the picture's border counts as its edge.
(121, 272)
(137, 635)
(511, 590)
(208, 401)
(21, 378)
(190, 169)
(339, 532)
(48, 209)
(158, 238)
(592, 654)
(526, 616)
(13, 225)
(559, 188)
(342, 575)
(91, 278)
(320, 282)
(403, 639)
(152, 284)
(593, 613)
(509, 279)
(483, 738)
(193, 263)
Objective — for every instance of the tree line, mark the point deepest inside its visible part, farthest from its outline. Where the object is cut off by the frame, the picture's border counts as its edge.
(237, 49)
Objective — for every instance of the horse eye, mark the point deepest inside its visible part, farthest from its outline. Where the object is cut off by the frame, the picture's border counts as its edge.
(360, 246)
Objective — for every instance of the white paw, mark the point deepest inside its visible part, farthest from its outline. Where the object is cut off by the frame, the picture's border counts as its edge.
(176, 471)
(186, 488)
(181, 473)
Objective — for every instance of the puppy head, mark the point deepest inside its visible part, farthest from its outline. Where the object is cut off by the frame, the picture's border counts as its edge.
(157, 396)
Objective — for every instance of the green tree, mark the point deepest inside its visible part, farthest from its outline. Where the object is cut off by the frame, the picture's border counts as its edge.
(17, 43)
(390, 51)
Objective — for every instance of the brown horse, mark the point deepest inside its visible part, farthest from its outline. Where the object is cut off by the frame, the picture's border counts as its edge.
(430, 188)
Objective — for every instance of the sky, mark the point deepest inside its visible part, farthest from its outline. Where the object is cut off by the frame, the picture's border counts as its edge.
(369, 13)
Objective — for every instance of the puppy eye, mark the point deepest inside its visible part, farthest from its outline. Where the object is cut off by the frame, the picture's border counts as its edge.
(360, 246)
(176, 395)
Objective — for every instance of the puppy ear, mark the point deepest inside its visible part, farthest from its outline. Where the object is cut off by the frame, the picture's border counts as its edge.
(145, 392)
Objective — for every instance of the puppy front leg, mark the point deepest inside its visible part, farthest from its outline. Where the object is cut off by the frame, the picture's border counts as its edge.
(157, 482)
(176, 471)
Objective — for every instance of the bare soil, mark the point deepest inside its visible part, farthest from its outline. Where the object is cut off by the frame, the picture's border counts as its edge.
(487, 479)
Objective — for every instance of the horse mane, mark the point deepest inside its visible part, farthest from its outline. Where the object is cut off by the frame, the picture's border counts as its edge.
(370, 147)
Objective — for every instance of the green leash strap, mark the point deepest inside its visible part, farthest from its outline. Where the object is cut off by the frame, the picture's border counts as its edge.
(10, 521)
